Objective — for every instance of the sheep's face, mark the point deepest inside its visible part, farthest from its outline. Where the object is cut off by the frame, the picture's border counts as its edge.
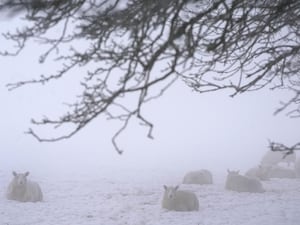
(201, 173)
(264, 171)
(20, 178)
(170, 192)
(233, 173)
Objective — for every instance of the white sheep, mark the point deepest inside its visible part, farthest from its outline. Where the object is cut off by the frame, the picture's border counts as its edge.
(23, 190)
(198, 177)
(281, 172)
(260, 172)
(297, 168)
(239, 183)
(274, 157)
(179, 200)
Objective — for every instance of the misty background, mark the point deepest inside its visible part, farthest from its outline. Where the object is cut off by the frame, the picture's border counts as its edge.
(191, 130)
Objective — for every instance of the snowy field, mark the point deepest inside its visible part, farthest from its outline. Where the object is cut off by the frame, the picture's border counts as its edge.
(127, 196)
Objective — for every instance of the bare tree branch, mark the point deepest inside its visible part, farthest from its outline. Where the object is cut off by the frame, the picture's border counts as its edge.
(294, 102)
(279, 147)
(134, 47)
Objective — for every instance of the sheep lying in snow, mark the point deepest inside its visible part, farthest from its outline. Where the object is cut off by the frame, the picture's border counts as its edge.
(239, 183)
(260, 172)
(198, 177)
(297, 168)
(281, 172)
(23, 190)
(273, 158)
(176, 200)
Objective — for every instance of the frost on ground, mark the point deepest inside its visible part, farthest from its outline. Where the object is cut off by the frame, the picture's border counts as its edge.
(119, 197)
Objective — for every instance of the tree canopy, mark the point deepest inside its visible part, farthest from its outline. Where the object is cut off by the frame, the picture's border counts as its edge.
(140, 48)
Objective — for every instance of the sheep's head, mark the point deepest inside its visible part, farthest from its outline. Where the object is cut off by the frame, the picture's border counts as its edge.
(201, 173)
(20, 178)
(233, 172)
(264, 171)
(231, 176)
(170, 192)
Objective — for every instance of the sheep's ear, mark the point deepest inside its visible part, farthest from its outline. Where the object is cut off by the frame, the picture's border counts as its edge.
(176, 188)
(26, 174)
(14, 173)
(165, 187)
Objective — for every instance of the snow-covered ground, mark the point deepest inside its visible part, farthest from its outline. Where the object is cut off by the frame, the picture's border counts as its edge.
(129, 196)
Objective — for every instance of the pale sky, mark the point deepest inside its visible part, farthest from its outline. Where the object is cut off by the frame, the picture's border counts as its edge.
(192, 130)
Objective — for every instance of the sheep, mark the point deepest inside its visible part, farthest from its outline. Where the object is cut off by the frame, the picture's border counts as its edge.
(182, 200)
(239, 183)
(273, 158)
(198, 177)
(281, 172)
(297, 168)
(23, 190)
(260, 172)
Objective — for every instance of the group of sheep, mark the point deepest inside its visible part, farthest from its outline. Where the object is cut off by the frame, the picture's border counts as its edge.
(273, 165)
(24, 190)
(182, 200)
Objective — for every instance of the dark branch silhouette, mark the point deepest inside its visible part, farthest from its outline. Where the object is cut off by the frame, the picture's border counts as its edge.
(293, 103)
(134, 47)
(279, 147)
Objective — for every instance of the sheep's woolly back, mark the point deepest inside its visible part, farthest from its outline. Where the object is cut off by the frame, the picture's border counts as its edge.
(260, 172)
(273, 158)
(179, 200)
(23, 190)
(281, 172)
(198, 177)
(297, 168)
(239, 183)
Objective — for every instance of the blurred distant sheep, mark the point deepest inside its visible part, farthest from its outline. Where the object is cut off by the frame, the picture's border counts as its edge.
(297, 168)
(273, 158)
(239, 183)
(198, 177)
(176, 200)
(260, 172)
(281, 172)
(23, 190)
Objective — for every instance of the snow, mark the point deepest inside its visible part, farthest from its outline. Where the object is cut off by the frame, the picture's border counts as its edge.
(112, 196)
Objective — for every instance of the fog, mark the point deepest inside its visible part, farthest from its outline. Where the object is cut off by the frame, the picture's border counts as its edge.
(191, 130)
